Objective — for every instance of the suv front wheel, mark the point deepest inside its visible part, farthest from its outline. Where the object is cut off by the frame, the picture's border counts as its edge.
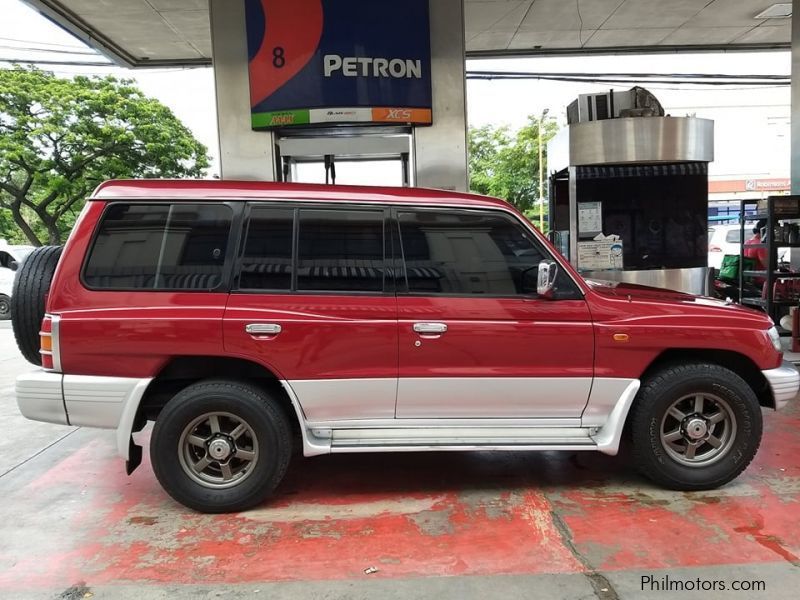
(695, 426)
(220, 446)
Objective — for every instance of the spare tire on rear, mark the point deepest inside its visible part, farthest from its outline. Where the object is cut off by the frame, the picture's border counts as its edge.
(31, 284)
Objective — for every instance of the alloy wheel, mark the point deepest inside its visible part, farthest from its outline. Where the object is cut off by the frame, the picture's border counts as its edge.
(218, 450)
(698, 429)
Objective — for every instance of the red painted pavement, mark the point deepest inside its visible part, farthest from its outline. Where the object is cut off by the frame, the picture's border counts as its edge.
(407, 515)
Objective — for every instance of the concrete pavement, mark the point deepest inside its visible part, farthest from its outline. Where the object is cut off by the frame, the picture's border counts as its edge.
(447, 525)
(21, 439)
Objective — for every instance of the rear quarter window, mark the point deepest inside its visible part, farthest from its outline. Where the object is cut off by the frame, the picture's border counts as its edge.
(160, 247)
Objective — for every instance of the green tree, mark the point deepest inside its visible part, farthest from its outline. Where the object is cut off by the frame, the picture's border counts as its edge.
(6, 227)
(59, 138)
(505, 164)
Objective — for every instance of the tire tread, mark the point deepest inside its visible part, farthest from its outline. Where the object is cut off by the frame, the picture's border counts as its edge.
(31, 285)
(640, 416)
(228, 388)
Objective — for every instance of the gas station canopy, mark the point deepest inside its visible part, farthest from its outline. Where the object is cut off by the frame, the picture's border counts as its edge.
(141, 33)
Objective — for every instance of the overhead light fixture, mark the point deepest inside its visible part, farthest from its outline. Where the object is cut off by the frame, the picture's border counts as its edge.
(776, 11)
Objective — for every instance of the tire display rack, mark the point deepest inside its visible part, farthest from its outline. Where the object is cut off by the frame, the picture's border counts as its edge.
(776, 210)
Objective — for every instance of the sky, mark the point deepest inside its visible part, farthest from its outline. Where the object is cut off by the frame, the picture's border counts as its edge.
(751, 125)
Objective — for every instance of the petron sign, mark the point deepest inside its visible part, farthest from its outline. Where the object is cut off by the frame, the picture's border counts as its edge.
(324, 62)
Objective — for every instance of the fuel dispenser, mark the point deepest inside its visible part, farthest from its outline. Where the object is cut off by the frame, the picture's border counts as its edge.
(629, 192)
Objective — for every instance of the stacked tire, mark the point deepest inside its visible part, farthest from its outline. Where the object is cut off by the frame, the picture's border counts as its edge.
(28, 298)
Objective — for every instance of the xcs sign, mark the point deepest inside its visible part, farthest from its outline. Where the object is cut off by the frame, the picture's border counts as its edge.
(338, 61)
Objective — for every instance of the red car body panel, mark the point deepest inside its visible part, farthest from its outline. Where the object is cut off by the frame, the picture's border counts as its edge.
(656, 320)
(134, 334)
(497, 337)
(323, 337)
(127, 334)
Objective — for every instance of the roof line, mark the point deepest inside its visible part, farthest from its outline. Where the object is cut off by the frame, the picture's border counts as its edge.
(122, 188)
(615, 50)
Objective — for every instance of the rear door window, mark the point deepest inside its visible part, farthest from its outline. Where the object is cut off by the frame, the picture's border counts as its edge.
(340, 250)
(160, 247)
(267, 259)
(313, 250)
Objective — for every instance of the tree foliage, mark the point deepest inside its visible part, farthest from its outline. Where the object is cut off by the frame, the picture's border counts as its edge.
(505, 164)
(59, 138)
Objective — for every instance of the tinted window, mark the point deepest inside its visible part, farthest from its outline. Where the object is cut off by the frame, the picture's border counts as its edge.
(734, 236)
(340, 250)
(267, 258)
(160, 247)
(476, 253)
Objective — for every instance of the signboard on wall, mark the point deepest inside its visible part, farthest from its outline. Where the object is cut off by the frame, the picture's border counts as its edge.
(325, 62)
(600, 255)
(590, 218)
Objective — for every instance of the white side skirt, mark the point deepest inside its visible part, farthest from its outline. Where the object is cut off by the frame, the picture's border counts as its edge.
(492, 397)
(345, 416)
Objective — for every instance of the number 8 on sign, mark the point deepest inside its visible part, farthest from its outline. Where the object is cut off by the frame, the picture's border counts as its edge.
(278, 59)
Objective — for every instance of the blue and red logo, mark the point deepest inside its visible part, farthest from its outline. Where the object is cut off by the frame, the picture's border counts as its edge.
(338, 54)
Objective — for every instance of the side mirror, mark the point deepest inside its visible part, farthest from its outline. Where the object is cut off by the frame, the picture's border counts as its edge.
(548, 269)
(13, 265)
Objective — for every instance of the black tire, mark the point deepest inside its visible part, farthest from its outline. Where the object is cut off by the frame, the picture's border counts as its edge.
(727, 393)
(251, 405)
(31, 284)
(5, 307)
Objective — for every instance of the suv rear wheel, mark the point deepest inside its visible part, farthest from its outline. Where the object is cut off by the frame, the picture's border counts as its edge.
(221, 446)
(695, 427)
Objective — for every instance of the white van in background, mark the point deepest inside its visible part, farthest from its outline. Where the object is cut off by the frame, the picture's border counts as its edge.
(10, 259)
(726, 239)
(722, 240)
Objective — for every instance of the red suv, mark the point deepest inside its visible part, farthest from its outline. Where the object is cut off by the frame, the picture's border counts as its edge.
(247, 318)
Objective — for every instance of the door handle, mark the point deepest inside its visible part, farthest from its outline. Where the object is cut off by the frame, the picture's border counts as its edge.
(430, 328)
(263, 328)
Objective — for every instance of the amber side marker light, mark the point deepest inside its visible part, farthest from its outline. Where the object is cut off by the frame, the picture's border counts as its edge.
(46, 342)
(621, 337)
